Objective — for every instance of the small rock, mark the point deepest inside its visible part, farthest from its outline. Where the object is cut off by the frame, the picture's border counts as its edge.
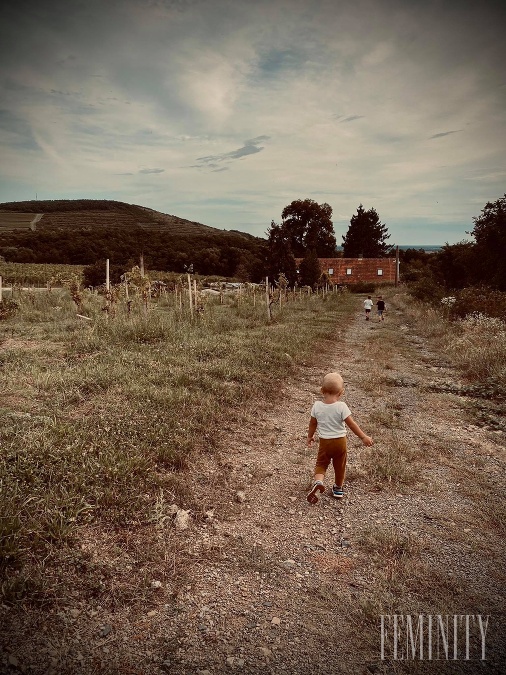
(266, 652)
(240, 496)
(156, 584)
(181, 520)
(152, 613)
(105, 630)
(276, 621)
(372, 667)
(173, 509)
(13, 661)
(230, 661)
(74, 613)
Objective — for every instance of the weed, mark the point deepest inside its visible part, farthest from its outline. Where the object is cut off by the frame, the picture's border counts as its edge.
(392, 461)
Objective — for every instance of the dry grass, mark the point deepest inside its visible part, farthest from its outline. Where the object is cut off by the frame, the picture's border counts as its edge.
(117, 416)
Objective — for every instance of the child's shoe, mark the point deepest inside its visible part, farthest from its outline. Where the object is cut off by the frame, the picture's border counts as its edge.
(312, 496)
(337, 492)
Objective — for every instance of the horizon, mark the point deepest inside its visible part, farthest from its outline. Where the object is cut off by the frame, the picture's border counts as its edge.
(225, 112)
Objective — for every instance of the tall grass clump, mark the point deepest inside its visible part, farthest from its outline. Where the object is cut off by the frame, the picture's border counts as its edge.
(479, 347)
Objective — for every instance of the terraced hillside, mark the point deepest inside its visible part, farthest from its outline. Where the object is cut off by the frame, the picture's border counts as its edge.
(93, 213)
(86, 231)
(16, 220)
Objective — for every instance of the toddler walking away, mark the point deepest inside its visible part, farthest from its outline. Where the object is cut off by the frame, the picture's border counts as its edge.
(381, 308)
(368, 303)
(331, 417)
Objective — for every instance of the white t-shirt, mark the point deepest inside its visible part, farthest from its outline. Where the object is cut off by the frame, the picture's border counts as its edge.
(368, 304)
(330, 418)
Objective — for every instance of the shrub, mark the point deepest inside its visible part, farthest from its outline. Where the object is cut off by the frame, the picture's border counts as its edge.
(427, 290)
(362, 287)
(479, 299)
(7, 309)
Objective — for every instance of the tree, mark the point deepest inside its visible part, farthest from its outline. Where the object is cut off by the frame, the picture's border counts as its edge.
(308, 225)
(366, 236)
(280, 259)
(455, 265)
(490, 235)
(310, 270)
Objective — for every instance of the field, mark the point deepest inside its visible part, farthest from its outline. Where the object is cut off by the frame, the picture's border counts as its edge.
(154, 472)
(25, 274)
(100, 417)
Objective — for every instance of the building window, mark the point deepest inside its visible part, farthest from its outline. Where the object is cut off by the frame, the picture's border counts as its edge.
(348, 271)
(331, 271)
(380, 272)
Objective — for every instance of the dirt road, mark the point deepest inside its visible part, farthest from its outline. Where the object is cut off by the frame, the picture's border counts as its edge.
(280, 586)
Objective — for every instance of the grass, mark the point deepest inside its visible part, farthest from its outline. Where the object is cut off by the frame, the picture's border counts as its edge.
(117, 412)
(476, 345)
(393, 460)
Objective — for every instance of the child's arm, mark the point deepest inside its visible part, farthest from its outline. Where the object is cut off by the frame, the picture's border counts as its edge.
(311, 431)
(350, 422)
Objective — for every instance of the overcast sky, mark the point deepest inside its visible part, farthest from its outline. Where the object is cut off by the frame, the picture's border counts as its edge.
(225, 111)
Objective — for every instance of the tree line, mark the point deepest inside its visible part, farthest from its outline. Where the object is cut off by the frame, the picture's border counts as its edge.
(292, 247)
(470, 263)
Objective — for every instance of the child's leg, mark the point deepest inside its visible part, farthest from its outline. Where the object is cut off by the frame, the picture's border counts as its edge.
(322, 462)
(339, 457)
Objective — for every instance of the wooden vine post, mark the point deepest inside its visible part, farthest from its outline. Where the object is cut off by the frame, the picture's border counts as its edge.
(267, 299)
(1, 296)
(190, 295)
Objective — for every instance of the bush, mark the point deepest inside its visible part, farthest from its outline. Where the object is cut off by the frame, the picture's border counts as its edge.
(427, 290)
(7, 309)
(362, 287)
(479, 299)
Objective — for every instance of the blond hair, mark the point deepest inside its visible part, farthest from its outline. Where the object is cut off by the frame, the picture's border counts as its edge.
(332, 384)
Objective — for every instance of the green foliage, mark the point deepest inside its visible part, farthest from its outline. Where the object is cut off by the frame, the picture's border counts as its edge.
(427, 290)
(366, 236)
(310, 270)
(35, 274)
(362, 287)
(94, 275)
(308, 225)
(490, 235)
(280, 256)
(7, 309)
(479, 300)
(455, 265)
(81, 232)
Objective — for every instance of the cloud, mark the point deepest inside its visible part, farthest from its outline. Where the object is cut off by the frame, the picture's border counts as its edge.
(352, 118)
(250, 147)
(95, 88)
(444, 133)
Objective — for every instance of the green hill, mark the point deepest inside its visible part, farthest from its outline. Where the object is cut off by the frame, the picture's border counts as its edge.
(84, 231)
(99, 213)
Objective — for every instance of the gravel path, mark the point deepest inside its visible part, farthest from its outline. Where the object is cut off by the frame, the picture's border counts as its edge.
(274, 585)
